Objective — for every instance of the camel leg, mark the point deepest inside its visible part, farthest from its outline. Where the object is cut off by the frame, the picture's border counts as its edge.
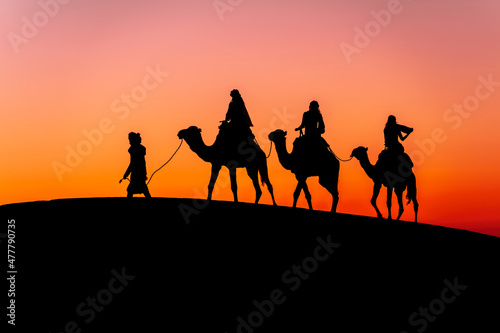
(373, 201)
(399, 195)
(213, 177)
(411, 194)
(264, 175)
(234, 186)
(389, 202)
(307, 195)
(302, 185)
(332, 186)
(335, 199)
(270, 188)
(254, 175)
(415, 208)
(296, 194)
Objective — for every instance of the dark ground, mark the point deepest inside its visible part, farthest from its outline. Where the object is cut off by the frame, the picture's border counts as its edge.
(221, 272)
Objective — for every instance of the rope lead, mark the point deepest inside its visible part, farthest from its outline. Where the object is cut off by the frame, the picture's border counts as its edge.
(166, 162)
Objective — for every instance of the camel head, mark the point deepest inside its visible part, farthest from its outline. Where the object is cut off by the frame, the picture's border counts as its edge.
(277, 135)
(360, 153)
(189, 133)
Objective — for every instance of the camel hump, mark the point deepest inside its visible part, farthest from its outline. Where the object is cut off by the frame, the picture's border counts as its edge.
(313, 152)
(407, 158)
(393, 160)
(311, 142)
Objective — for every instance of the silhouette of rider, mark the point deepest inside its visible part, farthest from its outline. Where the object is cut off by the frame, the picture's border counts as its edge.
(394, 150)
(312, 145)
(137, 167)
(312, 121)
(237, 116)
(392, 133)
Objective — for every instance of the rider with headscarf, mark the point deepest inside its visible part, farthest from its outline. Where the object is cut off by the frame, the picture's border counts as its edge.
(237, 114)
(235, 129)
(312, 143)
(312, 121)
(392, 133)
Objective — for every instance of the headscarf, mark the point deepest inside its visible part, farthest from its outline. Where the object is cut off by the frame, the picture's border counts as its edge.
(235, 94)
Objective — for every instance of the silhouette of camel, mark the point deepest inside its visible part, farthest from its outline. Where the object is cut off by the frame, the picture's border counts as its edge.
(325, 166)
(394, 177)
(248, 155)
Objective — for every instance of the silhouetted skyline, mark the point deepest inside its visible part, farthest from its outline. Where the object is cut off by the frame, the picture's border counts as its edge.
(74, 91)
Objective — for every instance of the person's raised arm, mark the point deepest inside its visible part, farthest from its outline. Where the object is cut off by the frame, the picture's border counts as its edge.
(229, 113)
(406, 130)
(302, 124)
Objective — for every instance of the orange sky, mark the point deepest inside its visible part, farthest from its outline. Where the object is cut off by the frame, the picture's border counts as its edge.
(67, 70)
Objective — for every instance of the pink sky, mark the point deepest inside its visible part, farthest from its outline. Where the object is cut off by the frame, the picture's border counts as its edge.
(280, 55)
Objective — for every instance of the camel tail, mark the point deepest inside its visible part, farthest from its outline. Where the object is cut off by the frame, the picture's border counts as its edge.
(263, 172)
(263, 176)
(411, 190)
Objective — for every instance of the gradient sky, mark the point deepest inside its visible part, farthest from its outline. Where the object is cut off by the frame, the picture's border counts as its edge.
(421, 63)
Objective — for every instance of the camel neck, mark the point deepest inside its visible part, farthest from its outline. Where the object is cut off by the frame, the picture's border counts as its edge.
(368, 167)
(200, 148)
(283, 155)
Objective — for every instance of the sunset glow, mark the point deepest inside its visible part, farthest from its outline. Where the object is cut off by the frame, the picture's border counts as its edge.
(78, 76)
